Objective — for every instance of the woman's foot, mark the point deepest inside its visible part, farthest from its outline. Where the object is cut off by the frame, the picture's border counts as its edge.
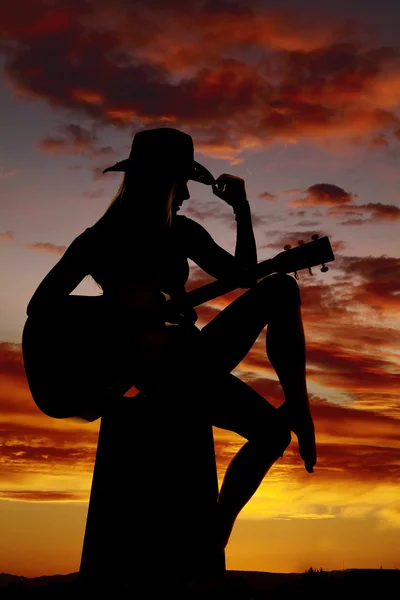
(299, 420)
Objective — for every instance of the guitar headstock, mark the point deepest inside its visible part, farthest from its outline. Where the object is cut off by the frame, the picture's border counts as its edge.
(304, 256)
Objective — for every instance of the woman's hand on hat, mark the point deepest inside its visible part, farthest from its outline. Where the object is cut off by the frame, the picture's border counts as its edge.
(230, 189)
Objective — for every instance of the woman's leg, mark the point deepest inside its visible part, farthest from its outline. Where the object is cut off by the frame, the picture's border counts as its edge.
(236, 406)
(274, 301)
(225, 341)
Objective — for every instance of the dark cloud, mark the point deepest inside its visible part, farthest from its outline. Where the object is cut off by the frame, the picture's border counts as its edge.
(44, 496)
(381, 211)
(119, 65)
(348, 370)
(354, 222)
(74, 139)
(340, 203)
(378, 280)
(34, 457)
(352, 462)
(372, 212)
(324, 194)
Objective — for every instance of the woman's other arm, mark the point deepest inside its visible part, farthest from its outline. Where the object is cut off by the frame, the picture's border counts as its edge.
(61, 280)
(246, 250)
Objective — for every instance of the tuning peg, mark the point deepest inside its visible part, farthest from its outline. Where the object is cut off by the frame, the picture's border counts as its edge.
(324, 268)
(315, 236)
(300, 242)
(309, 270)
(287, 247)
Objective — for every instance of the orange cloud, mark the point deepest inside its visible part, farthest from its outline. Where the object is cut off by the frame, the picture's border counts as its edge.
(47, 247)
(7, 236)
(268, 196)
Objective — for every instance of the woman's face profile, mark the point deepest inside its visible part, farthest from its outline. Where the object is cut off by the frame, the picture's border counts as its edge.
(182, 194)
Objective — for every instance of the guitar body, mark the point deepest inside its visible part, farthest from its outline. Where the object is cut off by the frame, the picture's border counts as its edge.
(70, 358)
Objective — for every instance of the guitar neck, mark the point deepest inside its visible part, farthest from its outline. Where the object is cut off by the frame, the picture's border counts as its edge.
(212, 290)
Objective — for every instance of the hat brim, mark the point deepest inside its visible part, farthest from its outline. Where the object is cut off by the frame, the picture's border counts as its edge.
(198, 173)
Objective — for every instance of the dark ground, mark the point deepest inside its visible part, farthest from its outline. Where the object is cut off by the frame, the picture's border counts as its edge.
(240, 585)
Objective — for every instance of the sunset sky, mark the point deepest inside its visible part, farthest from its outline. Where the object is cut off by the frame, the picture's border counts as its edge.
(301, 100)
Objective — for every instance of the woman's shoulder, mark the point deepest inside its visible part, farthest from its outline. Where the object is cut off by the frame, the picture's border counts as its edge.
(84, 238)
(184, 224)
(189, 229)
(82, 244)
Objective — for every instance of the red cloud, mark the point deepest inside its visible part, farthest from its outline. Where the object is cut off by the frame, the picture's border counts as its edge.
(127, 69)
(379, 285)
(379, 141)
(381, 211)
(348, 370)
(324, 194)
(376, 210)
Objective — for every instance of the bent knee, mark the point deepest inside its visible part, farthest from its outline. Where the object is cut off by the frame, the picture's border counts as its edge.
(281, 288)
(274, 441)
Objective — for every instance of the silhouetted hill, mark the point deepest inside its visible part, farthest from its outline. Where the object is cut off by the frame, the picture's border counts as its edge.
(254, 585)
(6, 579)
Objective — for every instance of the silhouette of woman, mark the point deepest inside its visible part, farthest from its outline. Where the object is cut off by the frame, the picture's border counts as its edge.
(138, 253)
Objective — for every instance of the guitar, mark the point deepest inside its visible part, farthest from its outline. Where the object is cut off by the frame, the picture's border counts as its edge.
(64, 366)
(304, 256)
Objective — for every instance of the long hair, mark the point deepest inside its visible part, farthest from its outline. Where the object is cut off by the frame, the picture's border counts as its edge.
(125, 196)
(128, 201)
